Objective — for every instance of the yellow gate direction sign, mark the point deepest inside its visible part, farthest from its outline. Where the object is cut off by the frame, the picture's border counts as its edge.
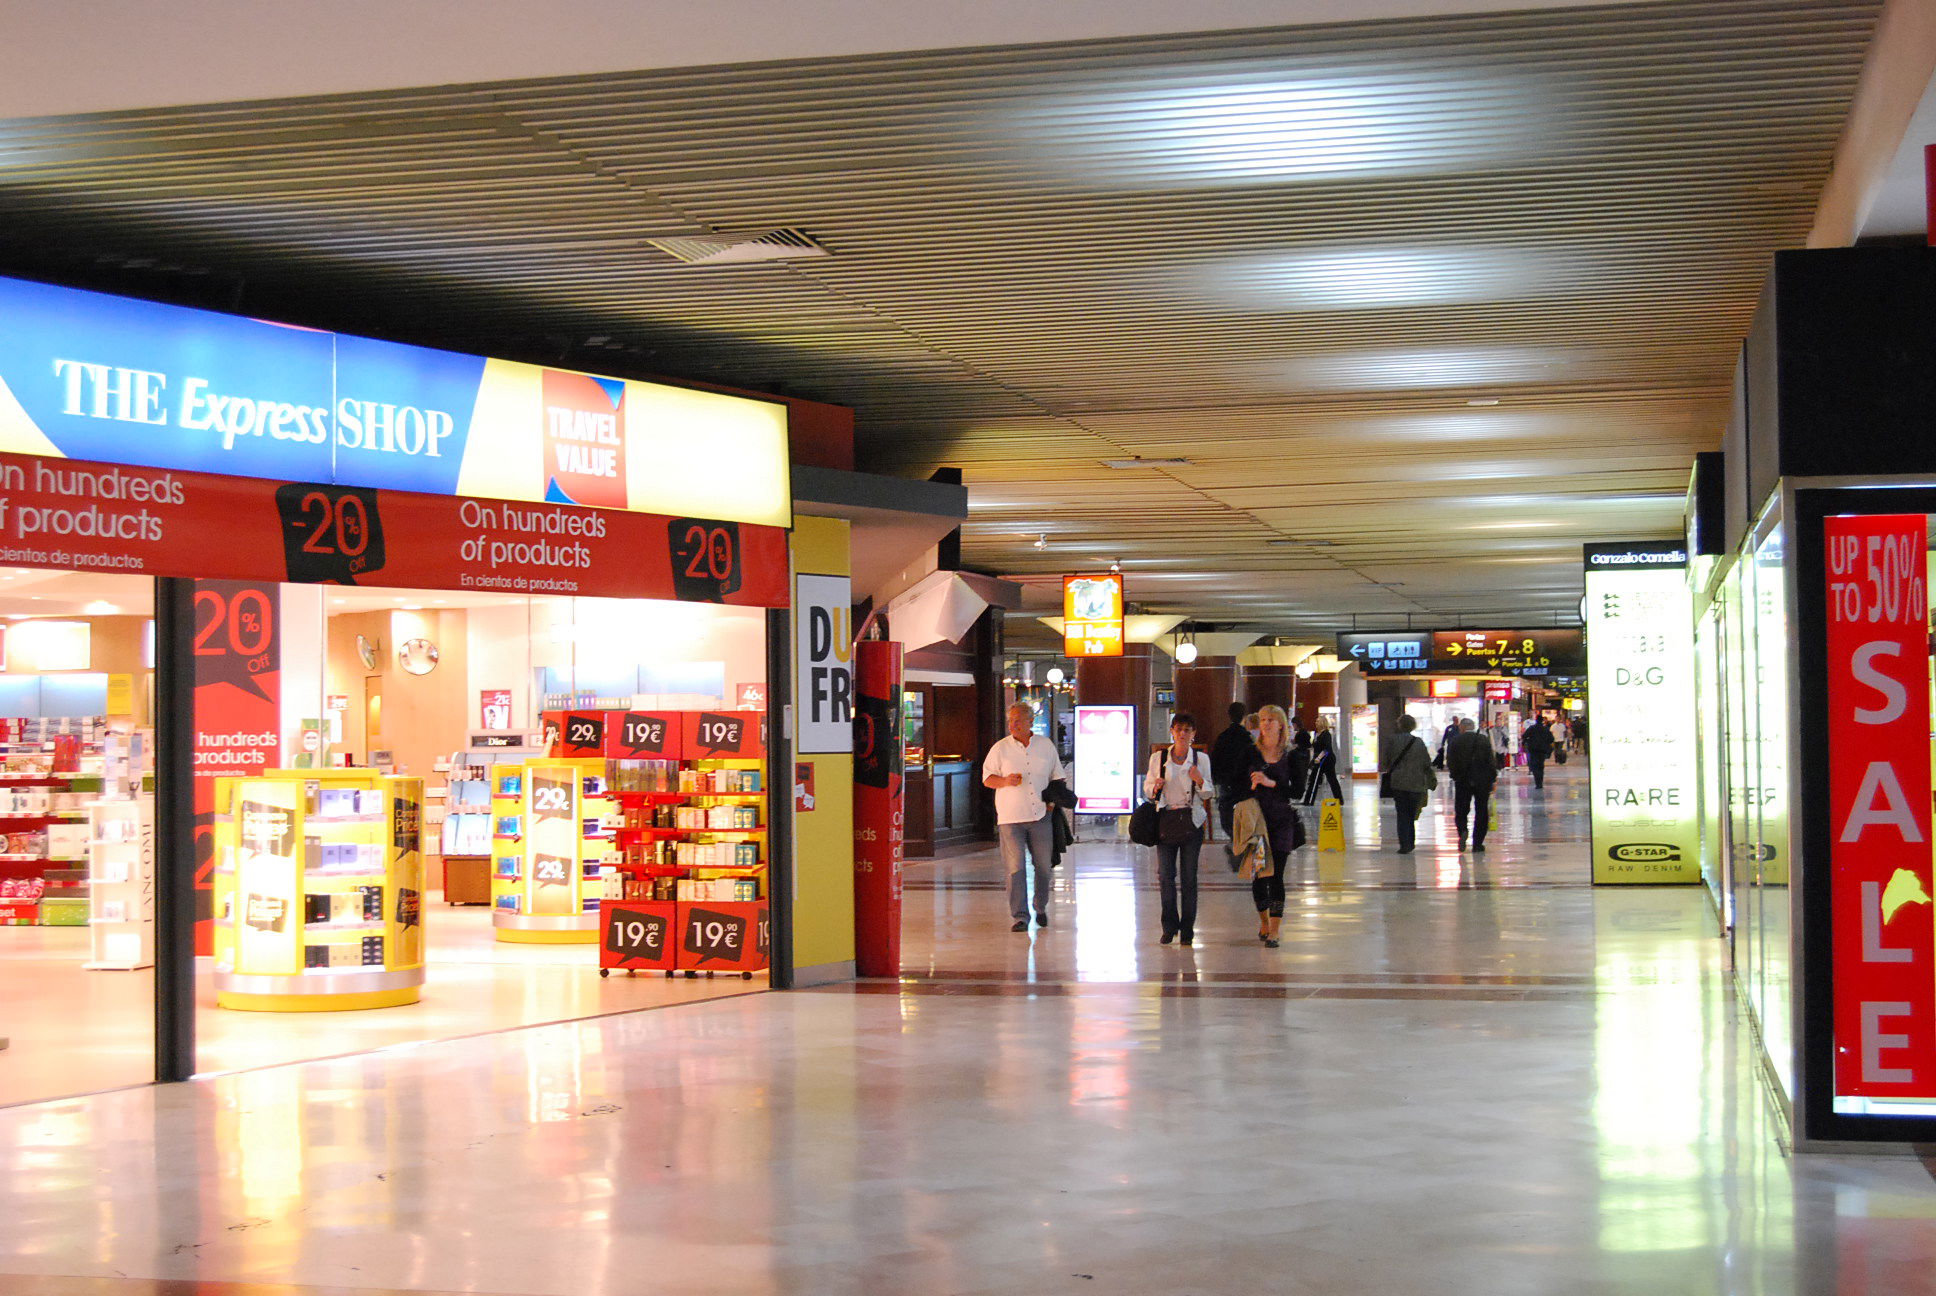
(1330, 824)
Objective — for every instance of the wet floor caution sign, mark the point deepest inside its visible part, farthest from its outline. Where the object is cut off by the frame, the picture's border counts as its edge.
(1330, 824)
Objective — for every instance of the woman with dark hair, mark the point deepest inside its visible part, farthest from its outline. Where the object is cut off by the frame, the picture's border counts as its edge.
(1277, 772)
(1179, 779)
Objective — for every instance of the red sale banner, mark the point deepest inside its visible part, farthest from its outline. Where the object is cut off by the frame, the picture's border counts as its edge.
(879, 808)
(238, 709)
(1879, 807)
(107, 517)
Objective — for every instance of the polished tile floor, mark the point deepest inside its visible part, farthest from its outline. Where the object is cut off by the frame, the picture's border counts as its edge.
(1455, 1077)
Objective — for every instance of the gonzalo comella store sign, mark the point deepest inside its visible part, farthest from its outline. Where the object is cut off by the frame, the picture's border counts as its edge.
(147, 438)
(1642, 757)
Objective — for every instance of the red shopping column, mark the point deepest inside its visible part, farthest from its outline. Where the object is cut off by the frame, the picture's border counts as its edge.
(878, 808)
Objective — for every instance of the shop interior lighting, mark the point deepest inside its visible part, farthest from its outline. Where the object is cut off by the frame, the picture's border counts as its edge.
(1239, 127)
(1372, 278)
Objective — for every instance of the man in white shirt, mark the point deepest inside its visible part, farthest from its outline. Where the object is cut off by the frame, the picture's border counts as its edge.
(1018, 768)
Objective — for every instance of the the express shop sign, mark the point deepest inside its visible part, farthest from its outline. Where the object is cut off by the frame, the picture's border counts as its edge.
(114, 380)
(110, 517)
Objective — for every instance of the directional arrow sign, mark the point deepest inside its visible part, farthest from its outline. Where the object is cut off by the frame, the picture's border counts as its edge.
(1453, 649)
(1357, 650)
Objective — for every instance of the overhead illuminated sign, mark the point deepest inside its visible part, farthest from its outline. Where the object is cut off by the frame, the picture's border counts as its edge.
(1884, 947)
(115, 380)
(1092, 616)
(1640, 708)
(1534, 654)
(1106, 766)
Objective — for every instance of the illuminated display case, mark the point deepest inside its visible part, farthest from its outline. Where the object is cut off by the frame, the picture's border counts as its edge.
(552, 836)
(318, 886)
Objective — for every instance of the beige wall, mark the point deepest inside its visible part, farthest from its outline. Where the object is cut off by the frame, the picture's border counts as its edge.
(423, 716)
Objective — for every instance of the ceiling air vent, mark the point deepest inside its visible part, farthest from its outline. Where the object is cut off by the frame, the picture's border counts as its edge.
(735, 249)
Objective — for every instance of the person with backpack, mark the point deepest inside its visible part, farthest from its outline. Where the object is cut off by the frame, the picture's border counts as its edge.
(1277, 778)
(1179, 781)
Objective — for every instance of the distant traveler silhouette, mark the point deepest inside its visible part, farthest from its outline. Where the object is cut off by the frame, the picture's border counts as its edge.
(1324, 764)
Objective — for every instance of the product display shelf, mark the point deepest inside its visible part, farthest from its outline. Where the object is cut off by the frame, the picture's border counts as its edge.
(465, 835)
(43, 845)
(551, 840)
(690, 898)
(121, 883)
(318, 891)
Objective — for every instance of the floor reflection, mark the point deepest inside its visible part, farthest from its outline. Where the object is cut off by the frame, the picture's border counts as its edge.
(1459, 1075)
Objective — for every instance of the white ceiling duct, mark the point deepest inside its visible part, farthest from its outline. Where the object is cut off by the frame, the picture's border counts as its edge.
(940, 608)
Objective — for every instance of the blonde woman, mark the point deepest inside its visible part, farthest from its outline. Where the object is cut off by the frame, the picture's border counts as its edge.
(1324, 763)
(1277, 777)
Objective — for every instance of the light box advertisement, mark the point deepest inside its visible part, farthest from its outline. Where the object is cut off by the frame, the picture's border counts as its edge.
(1092, 616)
(108, 379)
(1106, 765)
(1642, 760)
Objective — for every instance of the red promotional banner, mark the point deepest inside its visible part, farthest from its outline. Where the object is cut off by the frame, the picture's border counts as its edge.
(879, 808)
(238, 709)
(1879, 807)
(104, 517)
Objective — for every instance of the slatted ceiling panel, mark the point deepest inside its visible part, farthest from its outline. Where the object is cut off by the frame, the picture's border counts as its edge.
(992, 303)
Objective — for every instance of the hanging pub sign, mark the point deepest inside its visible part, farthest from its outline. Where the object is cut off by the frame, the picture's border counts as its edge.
(1092, 615)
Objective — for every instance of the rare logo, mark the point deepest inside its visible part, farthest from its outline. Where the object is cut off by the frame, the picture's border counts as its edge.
(584, 440)
(1645, 853)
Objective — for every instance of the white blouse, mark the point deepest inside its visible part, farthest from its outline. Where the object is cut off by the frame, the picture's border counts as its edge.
(1168, 783)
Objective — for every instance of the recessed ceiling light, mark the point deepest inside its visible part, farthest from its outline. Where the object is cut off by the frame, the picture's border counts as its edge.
(410, 607)
(1492, 400)
(1368, 278)
(1400, 370)
(100, 607)
(1144, 463)
(1241, 128)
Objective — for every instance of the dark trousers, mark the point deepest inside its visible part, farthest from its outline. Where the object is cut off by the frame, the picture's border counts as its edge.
(1470, 801)
(1268, 892)
(1176, 871)
(1537, 764)
(1322, 772)
(1227, 799)
(1408, 805)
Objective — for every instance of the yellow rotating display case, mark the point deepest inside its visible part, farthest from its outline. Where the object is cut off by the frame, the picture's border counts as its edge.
(551, 839)
(318, 891)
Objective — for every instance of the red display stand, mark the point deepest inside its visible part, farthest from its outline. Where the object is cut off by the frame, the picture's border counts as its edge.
(637, 934)
(723, 936)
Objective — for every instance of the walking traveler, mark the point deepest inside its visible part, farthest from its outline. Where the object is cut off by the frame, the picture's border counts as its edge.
(1019, 768)
(1537, 742)
(1179, 780)
(1276, 775)
(1501, 741)
(1469, 761)
(1445, 741)
(1230, 765)
(1324, 763)
(1407, 765)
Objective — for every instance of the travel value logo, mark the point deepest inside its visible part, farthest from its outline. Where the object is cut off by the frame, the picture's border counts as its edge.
(584, 440)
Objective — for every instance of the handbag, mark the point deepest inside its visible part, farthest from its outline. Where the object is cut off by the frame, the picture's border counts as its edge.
(1143, 824)
(1174, 826)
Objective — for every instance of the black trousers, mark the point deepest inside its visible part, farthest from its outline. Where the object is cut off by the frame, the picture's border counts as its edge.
(1227, 799)
(1408, 804)
(1325, 771)
(1537, 764)
(1268, 892)
(1176, 878)
(1466, 801)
